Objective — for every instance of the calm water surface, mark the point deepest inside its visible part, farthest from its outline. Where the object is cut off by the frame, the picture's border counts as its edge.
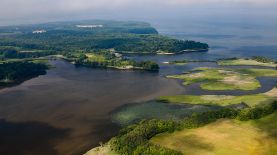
(67, 110)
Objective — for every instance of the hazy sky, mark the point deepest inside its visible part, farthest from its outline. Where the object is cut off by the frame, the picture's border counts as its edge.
(31, 11)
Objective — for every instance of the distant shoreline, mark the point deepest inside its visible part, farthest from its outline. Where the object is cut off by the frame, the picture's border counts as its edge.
(184, 51)
(165, 53)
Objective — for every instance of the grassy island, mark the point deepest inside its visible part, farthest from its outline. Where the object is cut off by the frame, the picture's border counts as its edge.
(225, 79)
(254, 61)
(222, 100)
(108, 59)
(178, 62)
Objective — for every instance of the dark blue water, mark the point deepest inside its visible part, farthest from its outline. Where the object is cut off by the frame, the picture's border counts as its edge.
(238, 38)
(228, 36)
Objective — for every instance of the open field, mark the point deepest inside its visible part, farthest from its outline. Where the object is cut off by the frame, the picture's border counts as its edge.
(95, 57)
(248, 62)
(225, 79)
(222, 100)
(225, 137)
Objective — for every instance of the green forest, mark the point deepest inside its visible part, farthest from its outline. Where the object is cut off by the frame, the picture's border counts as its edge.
(82, 45)
(131, 37)
(16, 72)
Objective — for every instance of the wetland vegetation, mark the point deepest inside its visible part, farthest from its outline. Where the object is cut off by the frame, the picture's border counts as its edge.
(221, 100)
(225, 79)
(254, 61)
(195, 133)
(136, 139)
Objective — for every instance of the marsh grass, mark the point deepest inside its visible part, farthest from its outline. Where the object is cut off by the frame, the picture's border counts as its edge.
(247, 62)
(225, 79)
(220, 100)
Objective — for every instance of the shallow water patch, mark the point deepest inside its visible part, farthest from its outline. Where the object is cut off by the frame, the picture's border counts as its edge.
(149, 110)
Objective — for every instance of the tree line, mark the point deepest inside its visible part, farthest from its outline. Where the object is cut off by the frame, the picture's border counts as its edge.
(133, 40)
(12, 54)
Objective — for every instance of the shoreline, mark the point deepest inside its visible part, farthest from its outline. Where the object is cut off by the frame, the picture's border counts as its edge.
(183, 51)
(164, 53)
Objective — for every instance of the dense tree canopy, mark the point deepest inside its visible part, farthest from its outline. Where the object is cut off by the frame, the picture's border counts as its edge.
(136, 37)
(18, 71)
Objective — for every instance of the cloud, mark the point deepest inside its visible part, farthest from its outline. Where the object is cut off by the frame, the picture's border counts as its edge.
(27, 9)
(230, 2)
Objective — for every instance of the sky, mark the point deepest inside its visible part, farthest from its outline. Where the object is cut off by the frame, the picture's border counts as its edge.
(34, 11)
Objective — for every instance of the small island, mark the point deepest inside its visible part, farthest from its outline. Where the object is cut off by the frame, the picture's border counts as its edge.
(225, 78)
(107, 59)
(254, 61)
(222, 100)
(177, 62)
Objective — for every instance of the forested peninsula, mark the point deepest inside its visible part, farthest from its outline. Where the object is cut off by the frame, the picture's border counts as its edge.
(93, 43)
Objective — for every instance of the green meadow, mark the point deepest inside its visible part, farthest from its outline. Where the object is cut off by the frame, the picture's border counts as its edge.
(225, 137)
